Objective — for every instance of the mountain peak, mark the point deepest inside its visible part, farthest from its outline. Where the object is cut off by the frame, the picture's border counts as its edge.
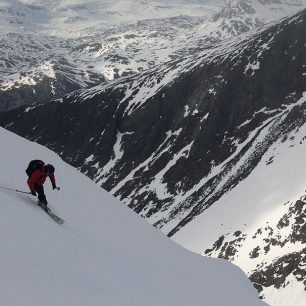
(239, 16)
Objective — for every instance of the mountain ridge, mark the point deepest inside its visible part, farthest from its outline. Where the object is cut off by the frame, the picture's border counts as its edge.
(55, 65)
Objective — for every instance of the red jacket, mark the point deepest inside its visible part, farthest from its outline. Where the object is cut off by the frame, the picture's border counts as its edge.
(39, 177)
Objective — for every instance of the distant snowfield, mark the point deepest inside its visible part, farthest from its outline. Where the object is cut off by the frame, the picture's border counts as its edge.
(81, 43)
(103, 255)
(73, 18)
(75, 44)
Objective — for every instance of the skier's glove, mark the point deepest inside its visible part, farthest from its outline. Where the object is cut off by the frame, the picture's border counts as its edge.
(33, 193)
(54, 186)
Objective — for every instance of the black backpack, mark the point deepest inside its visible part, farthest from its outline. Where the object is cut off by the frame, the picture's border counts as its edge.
(34, 165)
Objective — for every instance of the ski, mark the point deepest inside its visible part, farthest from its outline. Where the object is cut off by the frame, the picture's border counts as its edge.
(56, 218)
(52, 215)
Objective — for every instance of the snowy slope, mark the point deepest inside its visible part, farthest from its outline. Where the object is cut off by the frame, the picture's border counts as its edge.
(102, 255)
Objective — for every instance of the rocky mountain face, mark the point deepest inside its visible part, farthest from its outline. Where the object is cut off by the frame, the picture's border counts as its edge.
(274, 254)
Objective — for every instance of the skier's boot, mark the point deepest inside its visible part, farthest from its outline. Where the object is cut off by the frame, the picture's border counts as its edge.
(43, 205)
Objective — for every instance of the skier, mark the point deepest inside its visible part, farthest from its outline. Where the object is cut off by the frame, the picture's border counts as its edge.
(38, 172)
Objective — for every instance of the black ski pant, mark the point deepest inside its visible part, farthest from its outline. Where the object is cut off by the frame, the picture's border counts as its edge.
(41, 194)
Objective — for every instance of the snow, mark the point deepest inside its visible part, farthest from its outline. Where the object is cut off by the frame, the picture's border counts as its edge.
(260, 200)
(158, 185)
(89, 41)
(117, 154)
(248, 14)
(104, 254)
(293, 294)
(15, 80)
(80, 18)
(89, 159)
(248, 204)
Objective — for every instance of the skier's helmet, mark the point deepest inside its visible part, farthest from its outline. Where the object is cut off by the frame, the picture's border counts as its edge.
(50, 169)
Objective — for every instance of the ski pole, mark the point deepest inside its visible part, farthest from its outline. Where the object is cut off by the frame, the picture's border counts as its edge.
(16, 190)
